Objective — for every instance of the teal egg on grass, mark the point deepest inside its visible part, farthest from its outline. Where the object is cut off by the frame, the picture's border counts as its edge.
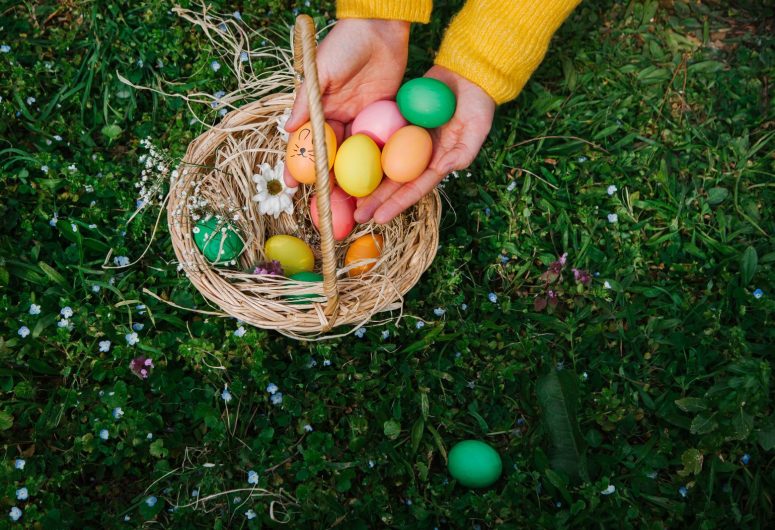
(305, 276)
(475, 464)
(426, 102)
(218, 241)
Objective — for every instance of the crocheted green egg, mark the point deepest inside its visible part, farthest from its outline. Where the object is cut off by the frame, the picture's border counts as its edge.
(218, 241)
(426, 102)
(475, 464)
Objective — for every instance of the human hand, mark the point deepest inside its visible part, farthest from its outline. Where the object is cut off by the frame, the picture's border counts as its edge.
(455, 146)
(359, 62)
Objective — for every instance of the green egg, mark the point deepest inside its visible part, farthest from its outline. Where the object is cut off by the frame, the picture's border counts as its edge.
(475, 464)
(426, 102)
(304, 276)
(217, 245)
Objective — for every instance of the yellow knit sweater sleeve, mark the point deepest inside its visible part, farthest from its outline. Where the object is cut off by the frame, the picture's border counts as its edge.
(497, 44)
(409, 10)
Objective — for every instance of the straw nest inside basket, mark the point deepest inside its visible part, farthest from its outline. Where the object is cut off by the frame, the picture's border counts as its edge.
(218, 168)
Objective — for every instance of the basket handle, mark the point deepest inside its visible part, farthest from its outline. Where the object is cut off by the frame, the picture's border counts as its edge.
(305, 64)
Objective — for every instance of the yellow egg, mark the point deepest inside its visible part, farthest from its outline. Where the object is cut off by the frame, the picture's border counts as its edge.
(357, 167)
(300, 153)
(407, 153)
(364, 248)
(293, 254)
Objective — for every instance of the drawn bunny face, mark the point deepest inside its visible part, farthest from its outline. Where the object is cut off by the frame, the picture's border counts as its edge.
(300, 153)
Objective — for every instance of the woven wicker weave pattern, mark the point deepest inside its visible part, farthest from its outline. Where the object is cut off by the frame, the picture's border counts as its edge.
(218, 167)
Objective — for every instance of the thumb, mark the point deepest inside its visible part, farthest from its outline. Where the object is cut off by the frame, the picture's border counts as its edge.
(300, 111)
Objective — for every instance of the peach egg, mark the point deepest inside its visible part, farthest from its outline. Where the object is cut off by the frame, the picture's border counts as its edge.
(407, 153)
(300, 153)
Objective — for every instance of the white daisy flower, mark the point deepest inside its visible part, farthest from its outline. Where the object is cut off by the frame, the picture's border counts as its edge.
(273, 196)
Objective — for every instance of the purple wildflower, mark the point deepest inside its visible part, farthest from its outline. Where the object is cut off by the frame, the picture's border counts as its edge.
(272, 268)
(141, 366)
(582, 276)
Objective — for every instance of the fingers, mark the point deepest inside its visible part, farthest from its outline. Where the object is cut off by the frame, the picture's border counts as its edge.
(407, 195)
(289, 180)
(368, 205)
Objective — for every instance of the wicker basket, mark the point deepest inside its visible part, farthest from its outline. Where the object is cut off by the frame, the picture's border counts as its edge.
(218, 167)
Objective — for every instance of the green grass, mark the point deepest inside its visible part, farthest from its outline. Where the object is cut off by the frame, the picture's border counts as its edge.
(653, 378)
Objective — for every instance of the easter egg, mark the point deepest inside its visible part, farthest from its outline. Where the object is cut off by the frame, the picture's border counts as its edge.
(342, 212)
(300, 153)
(426, 102)
(305, 277)
(363, 248)
(293, 254)
(357, 167)
(475, 464)
(407, 153)
(218, 241)
(379, 121)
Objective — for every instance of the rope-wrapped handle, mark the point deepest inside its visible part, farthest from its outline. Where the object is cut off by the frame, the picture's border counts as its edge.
(305, 63)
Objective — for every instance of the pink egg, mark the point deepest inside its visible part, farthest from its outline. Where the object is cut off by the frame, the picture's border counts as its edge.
(342, 212)
(379, 121)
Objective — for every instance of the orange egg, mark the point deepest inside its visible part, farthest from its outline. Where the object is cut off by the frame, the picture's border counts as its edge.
(407, 153)
(300, 153)
(363, 248)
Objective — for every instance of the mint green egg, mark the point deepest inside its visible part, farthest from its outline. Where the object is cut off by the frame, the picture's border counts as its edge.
(304, 276)
(426, 102)
(219, 242)
(475, 464)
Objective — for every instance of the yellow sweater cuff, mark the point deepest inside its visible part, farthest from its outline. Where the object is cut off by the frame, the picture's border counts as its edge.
(409, 10)
(498, 44)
